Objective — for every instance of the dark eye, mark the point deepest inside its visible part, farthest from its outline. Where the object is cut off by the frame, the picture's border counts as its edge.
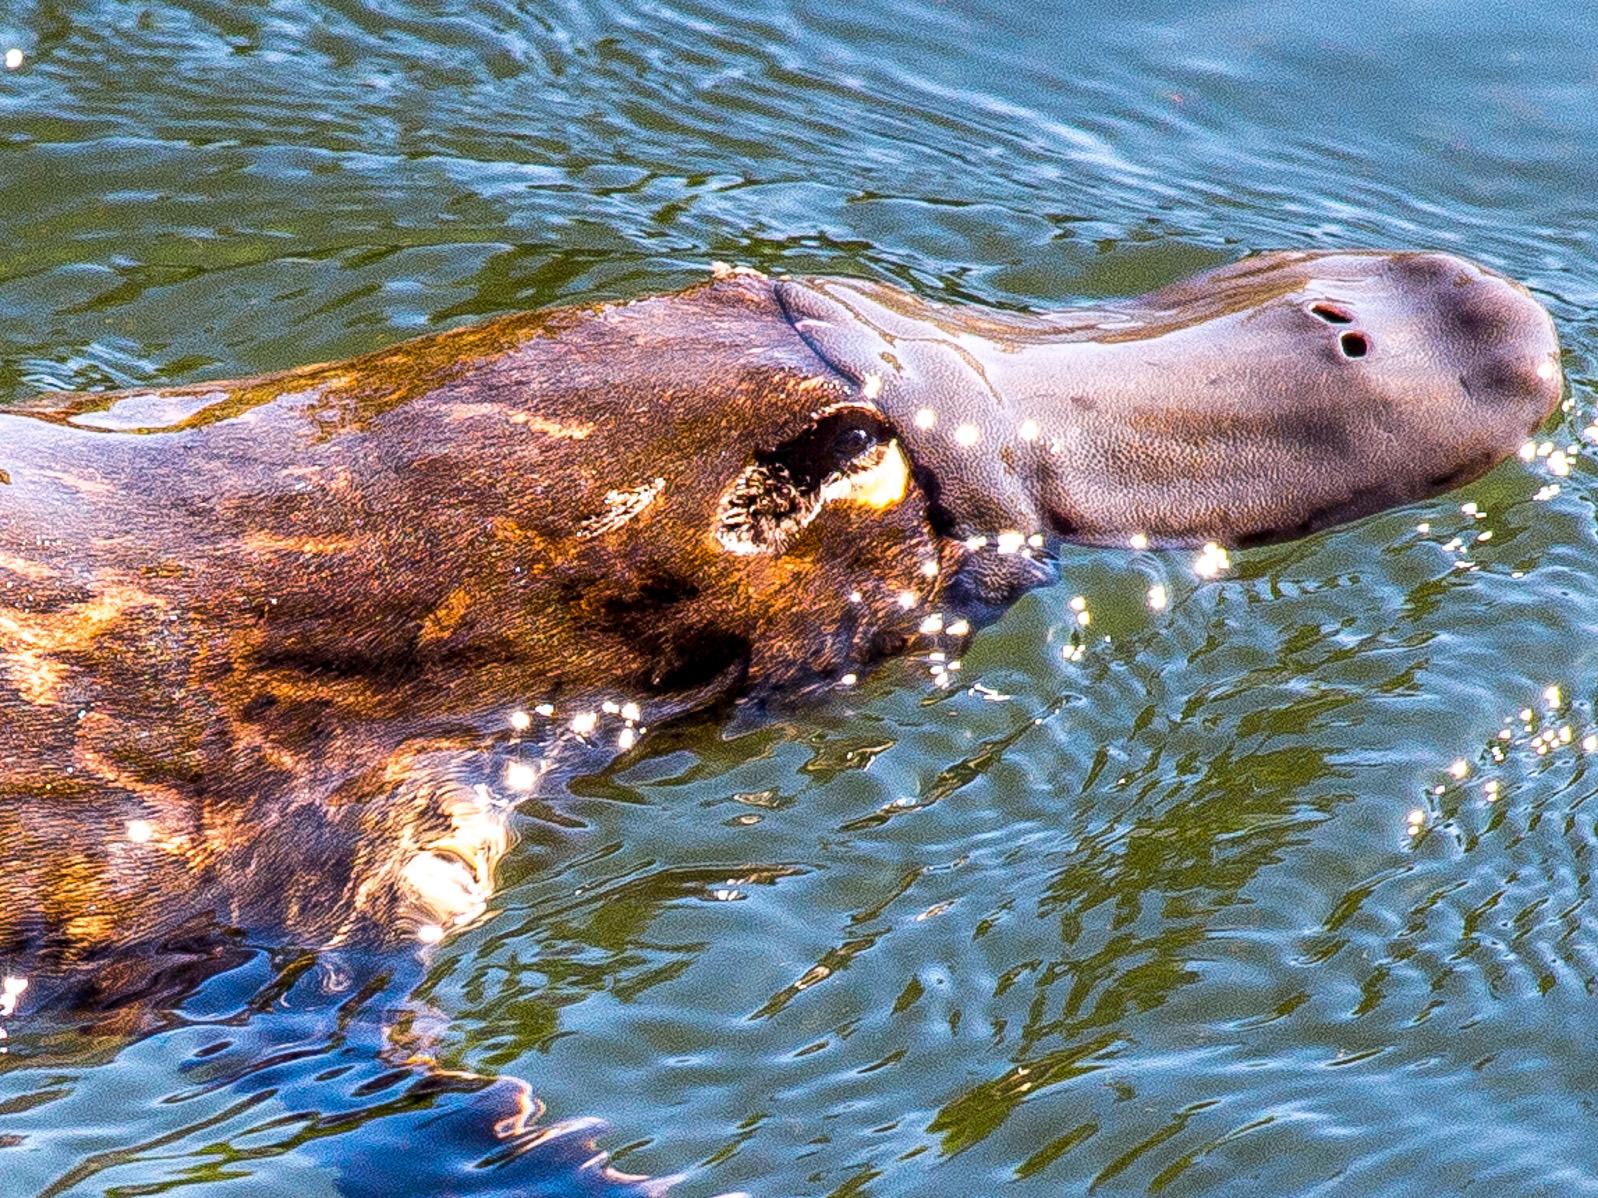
(831, 445)
(852, 442)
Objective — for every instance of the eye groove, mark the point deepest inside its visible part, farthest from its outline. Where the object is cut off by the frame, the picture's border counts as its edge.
(1354, 345)
(1331, 314)
(775, 497)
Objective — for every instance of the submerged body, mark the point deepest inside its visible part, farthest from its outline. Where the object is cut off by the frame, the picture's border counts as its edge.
(281, 655)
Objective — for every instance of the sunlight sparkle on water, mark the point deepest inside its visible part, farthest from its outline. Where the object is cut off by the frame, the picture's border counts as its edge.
(1211, 561)
(10, 990)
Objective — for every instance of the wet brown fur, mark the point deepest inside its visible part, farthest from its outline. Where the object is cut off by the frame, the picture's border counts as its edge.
(284, 622)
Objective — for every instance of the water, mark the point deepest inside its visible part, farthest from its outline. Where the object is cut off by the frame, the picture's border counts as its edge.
(1205, 910)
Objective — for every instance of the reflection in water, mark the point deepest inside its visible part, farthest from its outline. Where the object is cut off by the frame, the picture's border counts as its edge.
(320, 1072)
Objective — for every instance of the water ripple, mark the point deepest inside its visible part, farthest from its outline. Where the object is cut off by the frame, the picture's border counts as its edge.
(1217, 898)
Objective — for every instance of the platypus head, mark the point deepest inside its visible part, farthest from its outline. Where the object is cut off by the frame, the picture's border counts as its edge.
(1255, 402)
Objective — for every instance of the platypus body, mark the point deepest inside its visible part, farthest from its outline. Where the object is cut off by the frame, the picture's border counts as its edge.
(279, 656)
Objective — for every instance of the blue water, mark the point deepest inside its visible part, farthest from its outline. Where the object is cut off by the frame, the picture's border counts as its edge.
(1248, 895)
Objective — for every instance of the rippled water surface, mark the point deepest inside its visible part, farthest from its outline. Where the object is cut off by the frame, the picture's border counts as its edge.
(1284, 889)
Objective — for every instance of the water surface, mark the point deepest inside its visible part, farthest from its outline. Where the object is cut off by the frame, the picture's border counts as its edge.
(1283, 889)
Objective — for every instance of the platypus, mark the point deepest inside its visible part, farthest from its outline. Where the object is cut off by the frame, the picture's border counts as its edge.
(279, 656)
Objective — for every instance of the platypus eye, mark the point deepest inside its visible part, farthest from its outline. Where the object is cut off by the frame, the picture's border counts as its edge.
(833, 441)
(851, 442)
